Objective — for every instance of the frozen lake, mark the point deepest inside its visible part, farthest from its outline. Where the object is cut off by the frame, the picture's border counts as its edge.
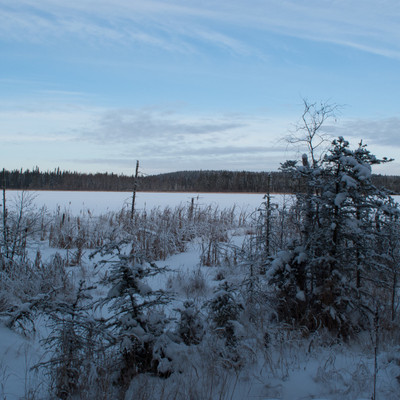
(102, 202)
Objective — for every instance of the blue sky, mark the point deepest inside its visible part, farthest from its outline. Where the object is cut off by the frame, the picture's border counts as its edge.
(94, 85)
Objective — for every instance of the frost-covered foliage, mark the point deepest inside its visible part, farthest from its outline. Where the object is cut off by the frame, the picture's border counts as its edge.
(19, 220)
(225, 310)
(326, 278)
(76, 363)
(312, 270)
(192, 284)
(127, 326)
(157, 232)
(191, 327)
(136, 318)
(29, 288)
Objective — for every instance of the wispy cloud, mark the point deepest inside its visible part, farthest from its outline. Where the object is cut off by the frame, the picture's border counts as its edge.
(382, 132)
(169, 140)
(135, 125)
(175, 141)
(366, 25)
(165, 139)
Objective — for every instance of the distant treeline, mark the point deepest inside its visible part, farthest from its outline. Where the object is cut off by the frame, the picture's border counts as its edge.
(65, 180)
(182, 181)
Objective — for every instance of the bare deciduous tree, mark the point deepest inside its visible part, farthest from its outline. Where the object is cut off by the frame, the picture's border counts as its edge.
(309, 130)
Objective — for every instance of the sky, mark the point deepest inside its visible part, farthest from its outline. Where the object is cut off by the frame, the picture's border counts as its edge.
(94, 85)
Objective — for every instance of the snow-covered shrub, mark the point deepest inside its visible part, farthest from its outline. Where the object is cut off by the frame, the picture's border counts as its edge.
(76, 361)
(67, 231)
(225, 309)
(201, 379)
(136, 318)
(288, 271)
(191, 324)
(275, 226)
(161, 232)
(29, 288)
(214, 238)
(329, 278)
(157, 233)
(212, 253)
(20, 222)
(390, 361)
(66, 342)
(258, 311)
(192, 283)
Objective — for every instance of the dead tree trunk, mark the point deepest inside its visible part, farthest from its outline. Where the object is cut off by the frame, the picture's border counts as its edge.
(5, 228)
(134, 189)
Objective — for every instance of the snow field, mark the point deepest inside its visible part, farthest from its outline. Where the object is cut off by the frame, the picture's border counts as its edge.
(102, 202)
(290, 367)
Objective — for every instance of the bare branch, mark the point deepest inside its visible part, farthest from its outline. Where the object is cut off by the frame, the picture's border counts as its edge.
(309, 131)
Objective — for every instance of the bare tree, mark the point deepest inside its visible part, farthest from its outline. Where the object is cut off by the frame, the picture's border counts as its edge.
(309, 130)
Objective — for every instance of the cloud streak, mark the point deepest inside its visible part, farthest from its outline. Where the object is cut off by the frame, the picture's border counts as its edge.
(366, 25)
(382, 132)
(125, 126)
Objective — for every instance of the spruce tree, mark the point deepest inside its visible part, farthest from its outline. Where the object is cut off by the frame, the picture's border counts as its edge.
(323, 279)
(136, 319)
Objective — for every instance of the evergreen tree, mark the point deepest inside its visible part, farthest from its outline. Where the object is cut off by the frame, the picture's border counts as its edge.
(75, 346)
(136, 319)
(320, 278)
(190, 326)
(225, 311)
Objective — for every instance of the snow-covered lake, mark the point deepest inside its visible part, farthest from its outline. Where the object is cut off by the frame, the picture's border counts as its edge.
(102, 202)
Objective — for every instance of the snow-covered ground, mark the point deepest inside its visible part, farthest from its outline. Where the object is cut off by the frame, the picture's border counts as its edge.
(297, 369)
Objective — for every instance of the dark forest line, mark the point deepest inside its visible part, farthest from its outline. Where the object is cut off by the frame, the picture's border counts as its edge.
(181, 181)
